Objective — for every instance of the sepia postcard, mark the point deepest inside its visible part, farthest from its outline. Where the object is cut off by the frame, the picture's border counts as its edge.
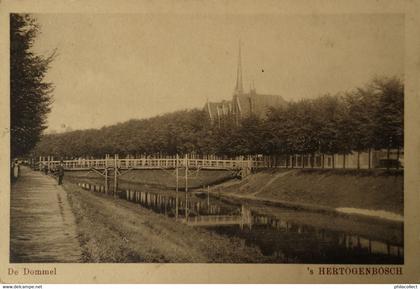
(210, 141)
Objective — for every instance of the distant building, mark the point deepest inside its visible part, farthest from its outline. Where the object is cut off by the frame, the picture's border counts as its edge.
(243, 104)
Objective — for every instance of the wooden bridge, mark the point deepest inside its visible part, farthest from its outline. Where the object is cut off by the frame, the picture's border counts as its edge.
(152, 163)
(111, 168)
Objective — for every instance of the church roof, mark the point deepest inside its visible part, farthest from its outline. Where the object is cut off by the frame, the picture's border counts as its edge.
(258, 104)
(246, 104)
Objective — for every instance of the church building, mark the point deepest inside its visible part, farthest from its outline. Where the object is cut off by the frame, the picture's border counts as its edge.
(243, 104)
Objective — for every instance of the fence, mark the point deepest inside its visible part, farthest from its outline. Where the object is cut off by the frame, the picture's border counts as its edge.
(363, 160)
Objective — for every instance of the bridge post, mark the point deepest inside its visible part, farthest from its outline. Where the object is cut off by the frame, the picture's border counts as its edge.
(106, 174)
(186, 187)
(208, 197)
(115, 175)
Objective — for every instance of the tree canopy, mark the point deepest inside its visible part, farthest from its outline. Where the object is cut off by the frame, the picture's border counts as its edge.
(364, 118)
(30, 95)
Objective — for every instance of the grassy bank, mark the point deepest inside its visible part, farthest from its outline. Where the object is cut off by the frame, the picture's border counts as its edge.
(373, 190)
(114, 230)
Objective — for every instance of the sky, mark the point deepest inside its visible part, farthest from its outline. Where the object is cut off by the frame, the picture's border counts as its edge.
(114, 67)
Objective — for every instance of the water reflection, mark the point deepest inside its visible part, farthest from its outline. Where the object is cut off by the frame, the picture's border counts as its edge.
(308, 244)
(278, 238)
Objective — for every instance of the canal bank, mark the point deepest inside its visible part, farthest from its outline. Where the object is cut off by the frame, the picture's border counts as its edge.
(281, 234)
(321, 190)
(350, 213)
(312, 189)
(114, 230)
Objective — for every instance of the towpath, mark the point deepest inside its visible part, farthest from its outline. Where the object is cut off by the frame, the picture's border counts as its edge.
(42, 225)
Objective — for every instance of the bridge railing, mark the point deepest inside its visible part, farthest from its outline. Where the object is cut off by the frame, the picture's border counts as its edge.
(156, 163)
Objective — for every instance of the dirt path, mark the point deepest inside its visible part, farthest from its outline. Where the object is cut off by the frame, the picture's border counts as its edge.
(272, 180)
(42, 227)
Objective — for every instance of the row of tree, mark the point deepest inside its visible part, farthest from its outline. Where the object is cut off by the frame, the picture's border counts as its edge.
(365, 118)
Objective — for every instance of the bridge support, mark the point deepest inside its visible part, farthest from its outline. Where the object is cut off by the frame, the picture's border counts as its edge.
(186, 187)
(115, 175)
(246, 169)
(208, 197)
(177, 188)
(106, 181)
(106, 174)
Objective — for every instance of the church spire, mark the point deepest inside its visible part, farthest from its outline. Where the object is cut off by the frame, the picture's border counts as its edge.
(239, 87)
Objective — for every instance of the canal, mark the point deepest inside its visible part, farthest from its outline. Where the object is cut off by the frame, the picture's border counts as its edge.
(283, 235)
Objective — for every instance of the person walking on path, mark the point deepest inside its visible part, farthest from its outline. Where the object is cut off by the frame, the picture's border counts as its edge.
(15, 170)
(60, 172)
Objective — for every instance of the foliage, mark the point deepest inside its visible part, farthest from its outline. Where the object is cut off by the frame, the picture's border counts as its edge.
(367, 117)
(30, 95)
(389, 115)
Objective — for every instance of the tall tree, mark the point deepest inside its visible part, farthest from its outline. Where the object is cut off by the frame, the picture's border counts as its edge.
(328, 116)
(30, 95)
(389, 117)
(362, 106)
(275, 133)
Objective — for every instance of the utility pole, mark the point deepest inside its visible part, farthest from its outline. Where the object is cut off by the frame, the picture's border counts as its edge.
(177, 187)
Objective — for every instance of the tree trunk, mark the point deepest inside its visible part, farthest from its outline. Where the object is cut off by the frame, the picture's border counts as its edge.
(333, 161)
(398, 158)
(313, 160)
(369, 157)
(387, 157)
(323, 161)
(358, 160)
(302, 160)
